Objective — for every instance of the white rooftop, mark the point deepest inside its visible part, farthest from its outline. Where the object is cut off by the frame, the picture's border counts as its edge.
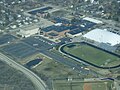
(93, 20)
(58, 24)
(103, 36)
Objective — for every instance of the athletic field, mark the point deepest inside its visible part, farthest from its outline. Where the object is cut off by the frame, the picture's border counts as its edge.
(91, 54)
(68, 85)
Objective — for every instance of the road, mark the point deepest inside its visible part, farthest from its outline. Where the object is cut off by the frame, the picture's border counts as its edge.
(38, 83)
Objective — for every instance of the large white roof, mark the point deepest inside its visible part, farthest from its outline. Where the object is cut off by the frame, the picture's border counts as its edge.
(103, 36)
(93, 20)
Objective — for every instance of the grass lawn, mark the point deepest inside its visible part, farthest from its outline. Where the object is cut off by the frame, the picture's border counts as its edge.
(53, 69)
(68, 85)
(92, 54)
(99, 86)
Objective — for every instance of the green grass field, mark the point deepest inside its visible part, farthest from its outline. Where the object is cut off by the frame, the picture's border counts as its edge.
(92, 55)
(67, 85)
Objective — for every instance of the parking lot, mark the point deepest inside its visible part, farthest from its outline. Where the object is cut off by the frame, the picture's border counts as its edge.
(7, 38)
(39, 43)
(18, 50)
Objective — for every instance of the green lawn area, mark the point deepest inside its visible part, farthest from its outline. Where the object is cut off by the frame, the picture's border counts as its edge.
(99, 86)
(52, 69)
(92, 54)
(68, 85)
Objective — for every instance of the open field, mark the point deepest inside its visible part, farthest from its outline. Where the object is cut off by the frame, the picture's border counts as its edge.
(81, 85)
(52, 69)
(49, 69)
(91, 54)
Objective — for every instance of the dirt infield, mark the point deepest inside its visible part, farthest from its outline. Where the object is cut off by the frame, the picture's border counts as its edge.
(87, 86)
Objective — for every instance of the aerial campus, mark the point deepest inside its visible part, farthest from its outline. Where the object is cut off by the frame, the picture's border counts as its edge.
(59, 45)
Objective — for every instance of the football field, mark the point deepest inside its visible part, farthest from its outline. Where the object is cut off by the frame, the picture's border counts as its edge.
(91, 54)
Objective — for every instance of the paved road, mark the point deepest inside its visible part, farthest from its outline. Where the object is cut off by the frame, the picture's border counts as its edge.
(39, 84)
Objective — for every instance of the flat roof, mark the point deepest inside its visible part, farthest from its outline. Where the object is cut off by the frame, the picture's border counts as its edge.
(60, 20)
(77, 30)
(40, 10)
(56, 28)
(93, 20)
(53, 34)
(29, 27)
(103, 36)
(84, 23)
